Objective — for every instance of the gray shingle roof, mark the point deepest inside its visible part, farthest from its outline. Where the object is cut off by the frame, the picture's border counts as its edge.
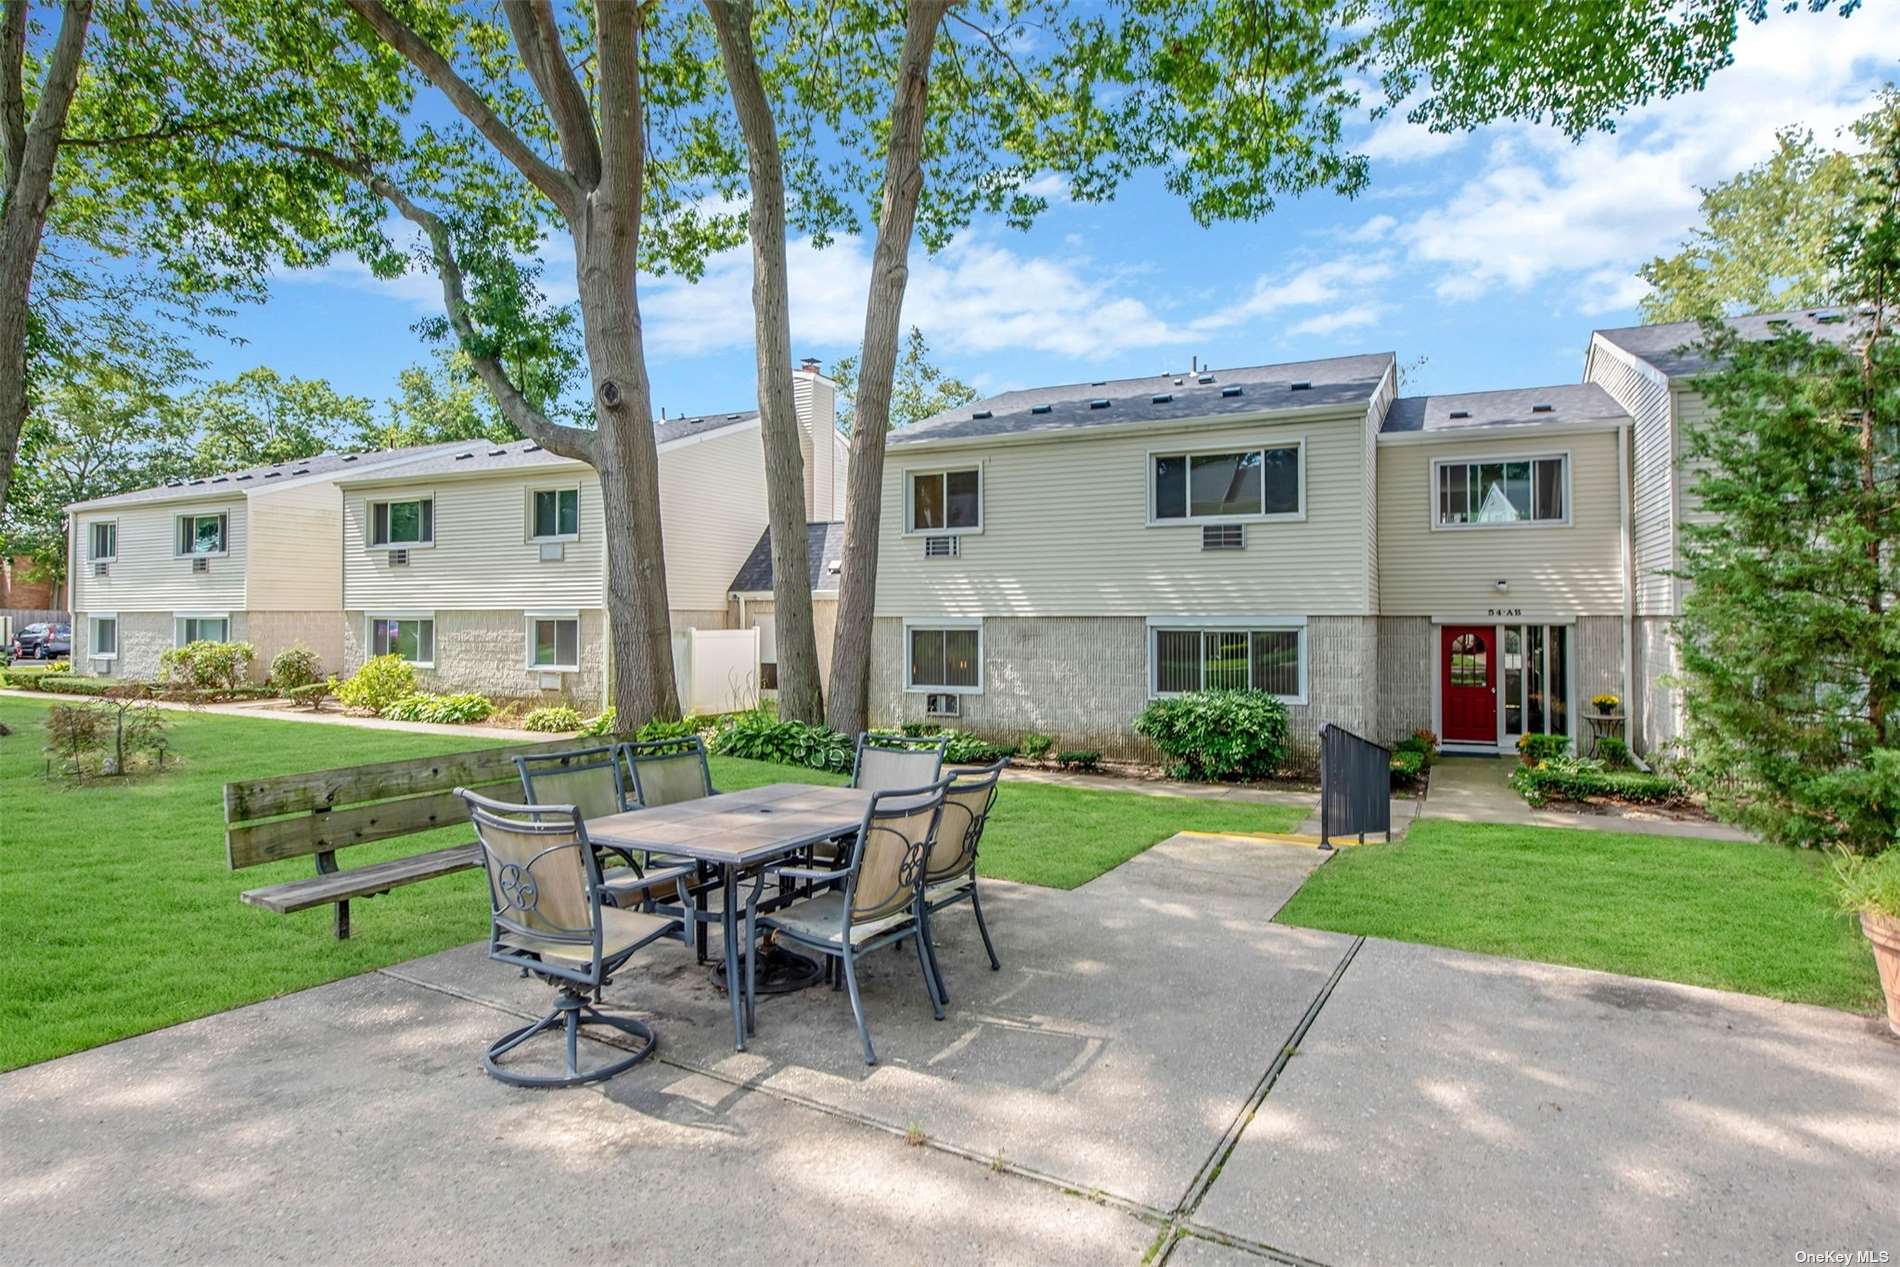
(1339, 380)
(1516, 407)
(824, 546)
(526, 455)
(264, 477)
(1673, 347)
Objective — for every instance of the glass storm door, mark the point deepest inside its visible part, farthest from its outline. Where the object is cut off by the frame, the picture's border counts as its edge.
(1470, 684)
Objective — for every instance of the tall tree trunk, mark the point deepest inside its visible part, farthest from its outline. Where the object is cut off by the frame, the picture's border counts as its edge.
(871, 410)
(799, 696)
(31, 152)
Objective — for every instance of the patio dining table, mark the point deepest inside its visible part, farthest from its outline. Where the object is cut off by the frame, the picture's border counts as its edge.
(732, 832)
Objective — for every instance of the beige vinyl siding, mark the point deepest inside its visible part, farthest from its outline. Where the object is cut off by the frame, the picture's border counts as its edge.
(1552, 569)
(1065, 532)
(1645, 393)
(481, 557)
(712, 511)
(149, 575)
(295, 559)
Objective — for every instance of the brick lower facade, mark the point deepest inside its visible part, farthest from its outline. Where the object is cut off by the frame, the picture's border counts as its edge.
(487, 652)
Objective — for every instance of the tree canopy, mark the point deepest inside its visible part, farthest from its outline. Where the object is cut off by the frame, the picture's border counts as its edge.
(920, 389)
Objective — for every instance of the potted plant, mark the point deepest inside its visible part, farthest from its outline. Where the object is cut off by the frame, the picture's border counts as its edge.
(1607, 704)
(1870, 887)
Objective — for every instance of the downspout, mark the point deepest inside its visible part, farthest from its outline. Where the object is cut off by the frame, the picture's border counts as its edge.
(1623, 440)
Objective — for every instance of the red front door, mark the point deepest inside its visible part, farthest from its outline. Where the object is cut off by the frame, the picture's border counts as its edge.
(1470, 682)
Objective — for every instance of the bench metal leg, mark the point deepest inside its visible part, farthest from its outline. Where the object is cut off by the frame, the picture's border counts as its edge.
(343, 920)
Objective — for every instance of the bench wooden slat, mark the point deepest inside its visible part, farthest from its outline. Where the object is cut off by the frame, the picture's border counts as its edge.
(250, 799)
(298, 895)
(314, 833)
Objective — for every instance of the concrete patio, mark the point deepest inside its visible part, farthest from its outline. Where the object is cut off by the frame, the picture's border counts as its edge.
(1157, 1070)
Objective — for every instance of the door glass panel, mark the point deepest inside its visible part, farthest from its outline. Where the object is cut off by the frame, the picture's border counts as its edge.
(1557, 681)
(1534, 680)
(1514, 680)
(1468, 654)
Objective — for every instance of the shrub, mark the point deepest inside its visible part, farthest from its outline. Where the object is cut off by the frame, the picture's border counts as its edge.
(761, 736)
(1869, 883)
(59, 666)
(656, 729)
(206, 666)
(1218, 735)
(1577, 779)
(1036, 746)
(600, 725)
(1613, 752)
(75, 735)
(378, 684)
(965, 749)
(558, 719)
(1535, 749)
(443, 710)
(1079, 759)
(310, 695)
(73, 684)
(1412, 756)
(294, 667)
(1606, 703)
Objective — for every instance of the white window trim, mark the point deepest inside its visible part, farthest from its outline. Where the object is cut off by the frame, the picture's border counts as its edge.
(183, 515)
(180, 617)
(528, 619)
(114, 556)
(1569, 498)
(944, 622)
(1242, 445)
(910, 474)
(369, 524)
(1200, 624)
(370, 618)
(92, 635)
(528, 522)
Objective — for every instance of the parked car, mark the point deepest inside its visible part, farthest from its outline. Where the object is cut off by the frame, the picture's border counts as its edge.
(42, 641)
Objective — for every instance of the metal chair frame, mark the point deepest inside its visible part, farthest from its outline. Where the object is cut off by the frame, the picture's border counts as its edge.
(962, 872)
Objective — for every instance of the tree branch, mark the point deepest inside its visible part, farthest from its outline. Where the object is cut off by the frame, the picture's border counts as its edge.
(550, 180)
(538, 40)
(622, 131)
(13, 91)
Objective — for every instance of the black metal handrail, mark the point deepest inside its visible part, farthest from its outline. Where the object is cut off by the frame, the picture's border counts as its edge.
(1355, 786)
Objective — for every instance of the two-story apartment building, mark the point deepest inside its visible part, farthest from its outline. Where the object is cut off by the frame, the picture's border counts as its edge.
(1053, 559)
(250, 555)
(485, 565)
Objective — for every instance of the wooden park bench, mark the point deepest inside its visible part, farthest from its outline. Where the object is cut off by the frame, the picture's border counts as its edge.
(299, 815)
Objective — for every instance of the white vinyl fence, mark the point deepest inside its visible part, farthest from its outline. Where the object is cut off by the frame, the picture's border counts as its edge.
(716, 670)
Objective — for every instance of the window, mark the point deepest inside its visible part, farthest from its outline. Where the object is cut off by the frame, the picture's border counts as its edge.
(946, 659)
(404, 523)
(1233, 658)
(203, 629)
(554, 642)
(105, 637)
(1536, 679)
(202, 534)
(411, 637)
(946, 501)
(556, 514)
(1527, 490)
(1247, 484)
(105, 542)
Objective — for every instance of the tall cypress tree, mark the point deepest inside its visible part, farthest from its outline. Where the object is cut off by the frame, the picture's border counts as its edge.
(1790, 630)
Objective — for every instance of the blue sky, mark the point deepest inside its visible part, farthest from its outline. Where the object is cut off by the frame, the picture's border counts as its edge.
(1491, 255)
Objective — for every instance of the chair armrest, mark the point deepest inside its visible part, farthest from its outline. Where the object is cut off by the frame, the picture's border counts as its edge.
(805, 873)
(669, 873)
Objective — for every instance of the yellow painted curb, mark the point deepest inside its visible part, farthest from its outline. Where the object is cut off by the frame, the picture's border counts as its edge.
(1269, 838)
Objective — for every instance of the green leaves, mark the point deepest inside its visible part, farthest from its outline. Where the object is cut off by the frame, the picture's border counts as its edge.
(1218, 735)
(263, 418)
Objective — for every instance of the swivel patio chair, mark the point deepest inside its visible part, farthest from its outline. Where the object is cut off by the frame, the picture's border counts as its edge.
(547, 917)
(950, 868)
(590, 779)
(878, 903)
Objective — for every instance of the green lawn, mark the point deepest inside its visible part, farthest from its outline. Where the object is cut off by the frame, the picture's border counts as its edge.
(120, 915)
(1754, 918)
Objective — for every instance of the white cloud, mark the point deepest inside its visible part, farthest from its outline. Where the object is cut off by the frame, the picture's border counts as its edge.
(1376, 229)
(1541, 211)
(1356, 317)
(1331, 283)
(1394, 139)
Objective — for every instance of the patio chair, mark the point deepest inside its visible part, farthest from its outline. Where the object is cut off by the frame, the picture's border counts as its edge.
(591, 780)
(548, 918)
(883, 763)
(658, 772)
(950, 867)
(878, 903)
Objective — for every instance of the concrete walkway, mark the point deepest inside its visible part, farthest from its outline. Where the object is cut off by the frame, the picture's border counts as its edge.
(1158, 1070)
(1476, 790)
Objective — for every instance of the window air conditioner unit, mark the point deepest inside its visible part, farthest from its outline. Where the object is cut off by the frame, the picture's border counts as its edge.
(201, 564)
(1224, 537)
(398, 558)
(943, 704)
(942, 547)
(102, 569)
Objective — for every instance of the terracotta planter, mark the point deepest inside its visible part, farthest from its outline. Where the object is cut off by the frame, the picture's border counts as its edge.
(1884, 932)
